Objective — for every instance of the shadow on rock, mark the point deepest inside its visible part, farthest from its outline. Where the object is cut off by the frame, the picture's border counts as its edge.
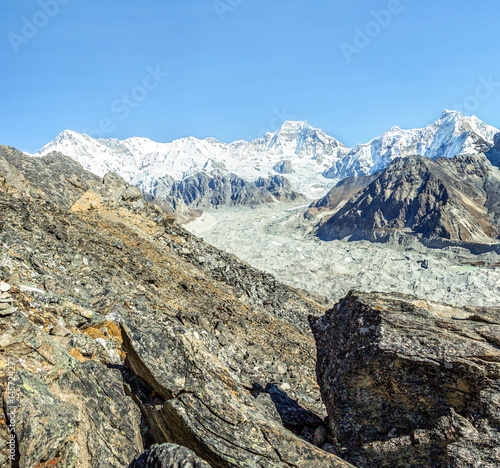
(287, 411)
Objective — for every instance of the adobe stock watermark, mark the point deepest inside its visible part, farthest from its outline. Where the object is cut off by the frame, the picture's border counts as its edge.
(277, 120)
(123, 106)
(31, 26)
(363, 37)
(222, 7)
(11, 408)
(484, 90)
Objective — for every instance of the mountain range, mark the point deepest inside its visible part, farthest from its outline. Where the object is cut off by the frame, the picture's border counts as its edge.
(312, 161)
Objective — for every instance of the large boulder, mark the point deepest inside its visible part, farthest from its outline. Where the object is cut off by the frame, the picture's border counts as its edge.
(407, 382)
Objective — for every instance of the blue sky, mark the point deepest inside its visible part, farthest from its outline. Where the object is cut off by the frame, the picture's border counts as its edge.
(237, 68)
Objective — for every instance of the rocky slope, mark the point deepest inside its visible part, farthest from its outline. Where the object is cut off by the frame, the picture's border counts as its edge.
(127, 341)
(411, 383)
(120, 330)
(456, 199)
(308, 157)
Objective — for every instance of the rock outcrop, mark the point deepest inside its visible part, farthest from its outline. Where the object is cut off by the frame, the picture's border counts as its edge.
(99, 291)
(202, 190)
(204, 405)
(456, 199)
(284, 167)
(410, 383)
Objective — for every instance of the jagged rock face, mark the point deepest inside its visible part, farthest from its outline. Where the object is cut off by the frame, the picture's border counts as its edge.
(283, 167)
(411, 383)
(58, 408)
(456, 199)
(203, 190)
(97, 298)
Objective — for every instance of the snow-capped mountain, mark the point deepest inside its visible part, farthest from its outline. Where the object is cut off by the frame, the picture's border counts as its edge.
(152, 165)
(315, 160)
(451, 135)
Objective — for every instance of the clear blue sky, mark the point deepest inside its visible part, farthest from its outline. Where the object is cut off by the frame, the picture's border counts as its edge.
(236, 71)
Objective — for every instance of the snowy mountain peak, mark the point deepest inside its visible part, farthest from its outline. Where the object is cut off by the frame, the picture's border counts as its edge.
(451, 135)
(293, 130)
(69, 135)
(294, 125)
(453, 113)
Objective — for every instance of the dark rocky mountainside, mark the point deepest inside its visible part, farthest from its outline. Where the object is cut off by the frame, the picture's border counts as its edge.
(493, 153)
(121, 330)
(456, 199)
(203, 190)
(410, 383)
